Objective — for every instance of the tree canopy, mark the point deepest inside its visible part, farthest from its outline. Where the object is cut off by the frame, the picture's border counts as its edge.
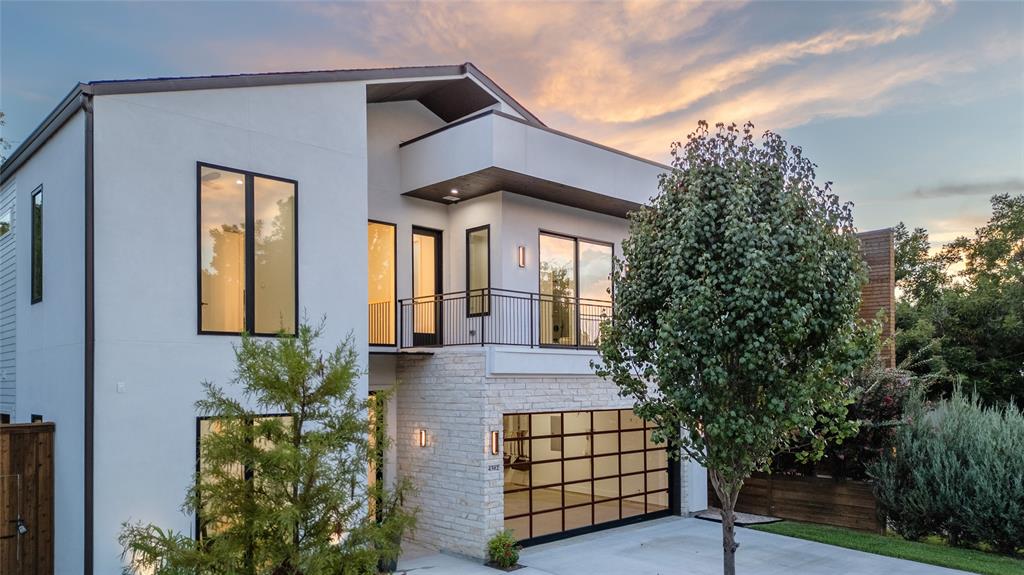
(736, 308)
(960, 315)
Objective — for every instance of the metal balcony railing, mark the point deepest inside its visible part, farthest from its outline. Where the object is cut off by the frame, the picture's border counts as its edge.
(501, 317)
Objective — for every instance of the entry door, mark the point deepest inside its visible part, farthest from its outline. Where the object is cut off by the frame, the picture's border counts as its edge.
(426, 287)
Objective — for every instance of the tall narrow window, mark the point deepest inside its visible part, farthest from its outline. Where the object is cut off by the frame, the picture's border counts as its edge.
(557, 290)
(247, 253)
(595, 289)
(478, 269)
(274, 277)
(37, 245)
(380, 241)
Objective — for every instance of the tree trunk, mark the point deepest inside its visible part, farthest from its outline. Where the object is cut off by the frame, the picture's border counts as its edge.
(728, 492)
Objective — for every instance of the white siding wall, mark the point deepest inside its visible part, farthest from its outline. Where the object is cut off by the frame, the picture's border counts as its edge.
(147, 147)
(8, 301)
(51, 333)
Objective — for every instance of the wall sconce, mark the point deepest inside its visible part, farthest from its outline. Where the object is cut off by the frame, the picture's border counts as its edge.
(423, 438)
(495, 439)
(522, 256)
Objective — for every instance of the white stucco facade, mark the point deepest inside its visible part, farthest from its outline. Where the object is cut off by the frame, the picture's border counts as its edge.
(341, 143)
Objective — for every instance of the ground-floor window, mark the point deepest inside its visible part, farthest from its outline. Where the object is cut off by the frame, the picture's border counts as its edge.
(578, 469)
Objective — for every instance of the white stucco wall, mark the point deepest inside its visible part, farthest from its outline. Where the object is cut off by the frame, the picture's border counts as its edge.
(149, 359)
(50, 334)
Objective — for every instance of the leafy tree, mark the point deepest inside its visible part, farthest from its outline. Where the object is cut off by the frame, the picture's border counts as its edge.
(282, 495)
(4, 144)
(966, 326)
(736, 316)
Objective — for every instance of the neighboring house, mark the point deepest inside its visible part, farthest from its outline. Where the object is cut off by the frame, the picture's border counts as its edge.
(464, 245)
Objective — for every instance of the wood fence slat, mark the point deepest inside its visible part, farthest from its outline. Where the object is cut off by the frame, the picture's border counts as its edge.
(844, 503)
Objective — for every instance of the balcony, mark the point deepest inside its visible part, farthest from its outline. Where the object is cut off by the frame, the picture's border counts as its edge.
(501, 317)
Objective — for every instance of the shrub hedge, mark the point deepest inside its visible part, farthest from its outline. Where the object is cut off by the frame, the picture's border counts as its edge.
(956, 469)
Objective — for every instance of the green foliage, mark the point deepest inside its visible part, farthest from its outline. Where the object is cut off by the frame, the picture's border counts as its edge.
(877, 409)
(503, 550)
(890, 545)
(282, 495)
(956, 470)
(966, 326)
(736, 316)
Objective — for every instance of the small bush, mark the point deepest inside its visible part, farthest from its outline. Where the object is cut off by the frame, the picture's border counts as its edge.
(956, 469)
(503, 549)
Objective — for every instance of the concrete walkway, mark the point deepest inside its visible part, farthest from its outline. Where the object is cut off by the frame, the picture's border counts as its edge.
(676, 545)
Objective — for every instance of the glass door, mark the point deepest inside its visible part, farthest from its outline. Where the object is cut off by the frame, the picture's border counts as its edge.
(426, 287)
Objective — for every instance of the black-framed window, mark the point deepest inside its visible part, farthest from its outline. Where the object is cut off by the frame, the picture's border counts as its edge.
(37, 245)
(239, 429)
(478, 270)
(575, 289)
(577, 470)
(247, 252)
(382, 257)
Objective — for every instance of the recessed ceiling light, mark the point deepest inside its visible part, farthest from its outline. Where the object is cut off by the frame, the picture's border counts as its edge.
(455, 192)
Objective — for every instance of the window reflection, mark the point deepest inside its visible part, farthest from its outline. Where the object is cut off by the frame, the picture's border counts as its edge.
(222, 250)
(247, 259)
(274, 223)
(381, 255)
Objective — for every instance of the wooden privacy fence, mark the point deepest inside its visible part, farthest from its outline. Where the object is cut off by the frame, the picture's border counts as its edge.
(840, 502)
(26, 499)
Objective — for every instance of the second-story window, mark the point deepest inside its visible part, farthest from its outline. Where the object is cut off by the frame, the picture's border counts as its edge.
(478, 270)
(380, 241)
(247, 252)
(575, 289)
(37, 245)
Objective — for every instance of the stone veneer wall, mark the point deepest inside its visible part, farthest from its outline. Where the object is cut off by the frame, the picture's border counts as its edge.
(460, 484)
(880, 292)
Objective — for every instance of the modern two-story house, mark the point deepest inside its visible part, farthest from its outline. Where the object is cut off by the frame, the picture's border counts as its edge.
(465, 245)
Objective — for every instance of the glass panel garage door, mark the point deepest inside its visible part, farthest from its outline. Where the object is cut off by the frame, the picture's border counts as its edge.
(578, 469)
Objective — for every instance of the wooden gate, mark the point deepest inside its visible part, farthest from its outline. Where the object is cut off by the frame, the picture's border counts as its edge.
(26, 499)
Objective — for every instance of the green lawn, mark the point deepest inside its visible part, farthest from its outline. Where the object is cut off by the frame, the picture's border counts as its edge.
(895, 546)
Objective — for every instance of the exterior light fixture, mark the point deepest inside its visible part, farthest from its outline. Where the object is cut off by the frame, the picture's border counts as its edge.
(494, 442)
(455, 192)
(522, 256)
(423, 438)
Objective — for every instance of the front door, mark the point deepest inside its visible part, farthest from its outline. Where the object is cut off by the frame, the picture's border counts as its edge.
(426, 287)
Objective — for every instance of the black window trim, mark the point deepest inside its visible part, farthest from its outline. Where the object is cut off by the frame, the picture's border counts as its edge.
(36, 260)
(485, 292)
(250, 252)
(394, 272)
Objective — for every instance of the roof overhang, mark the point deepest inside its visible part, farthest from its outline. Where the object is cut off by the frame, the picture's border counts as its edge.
(450, 91)
(493, 152)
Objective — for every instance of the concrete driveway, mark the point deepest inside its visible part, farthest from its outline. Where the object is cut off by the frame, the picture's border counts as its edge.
(676, 545)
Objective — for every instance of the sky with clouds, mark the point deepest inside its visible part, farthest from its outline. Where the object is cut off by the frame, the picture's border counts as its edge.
(914, 110)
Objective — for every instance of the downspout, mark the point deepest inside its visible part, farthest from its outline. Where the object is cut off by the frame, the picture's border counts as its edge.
(90, 336)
